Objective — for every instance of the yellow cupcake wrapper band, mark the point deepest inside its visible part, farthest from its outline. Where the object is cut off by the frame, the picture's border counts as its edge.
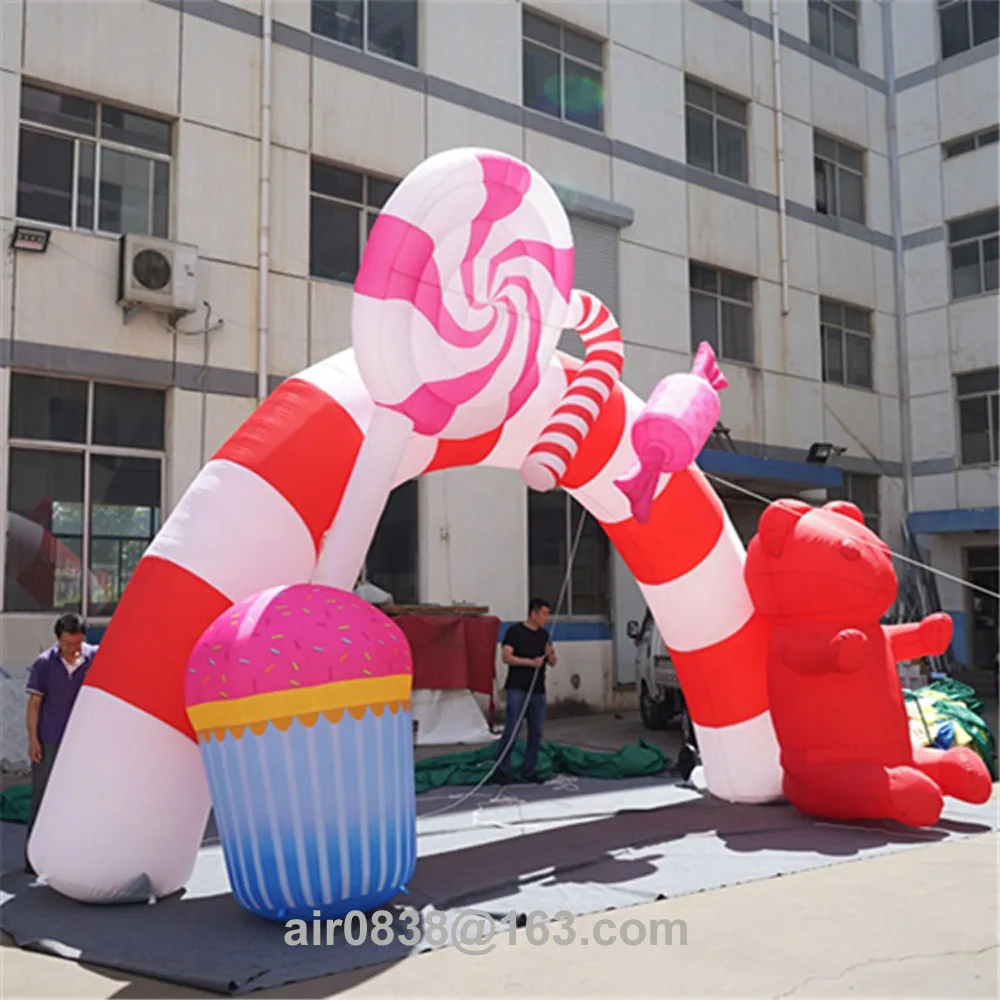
(301, 702)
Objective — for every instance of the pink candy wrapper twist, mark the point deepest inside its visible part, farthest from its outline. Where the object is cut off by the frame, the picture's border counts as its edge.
(673, 428)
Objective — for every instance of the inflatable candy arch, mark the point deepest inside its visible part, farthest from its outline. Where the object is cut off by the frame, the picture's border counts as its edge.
(463, 292)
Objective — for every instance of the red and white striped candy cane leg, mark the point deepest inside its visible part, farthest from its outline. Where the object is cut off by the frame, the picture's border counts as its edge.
(688, 561)
(129, 782)
(585, 395)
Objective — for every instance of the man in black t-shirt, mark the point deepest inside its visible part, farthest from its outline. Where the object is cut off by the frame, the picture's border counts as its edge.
(527, 651)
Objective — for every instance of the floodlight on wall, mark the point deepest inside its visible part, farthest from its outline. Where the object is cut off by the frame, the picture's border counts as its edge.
(820, 452)
(33, 239)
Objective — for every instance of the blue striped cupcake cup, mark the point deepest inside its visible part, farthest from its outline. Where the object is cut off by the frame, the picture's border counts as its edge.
(318, 819)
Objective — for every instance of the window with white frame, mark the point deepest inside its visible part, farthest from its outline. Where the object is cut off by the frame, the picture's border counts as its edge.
(969, 143)
(563, 72)
(846, 339)
(716, 131)
(553, 523)
(973, 243)
(722, 312)
(966, 24)
(92, 166)
(840, 178)
(381, 27)
(85, 491)
(833, 28)
(343, 207)
(978, 395)
(860, 489)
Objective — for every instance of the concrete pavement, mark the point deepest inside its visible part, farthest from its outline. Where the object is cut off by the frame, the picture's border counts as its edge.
(920, 923)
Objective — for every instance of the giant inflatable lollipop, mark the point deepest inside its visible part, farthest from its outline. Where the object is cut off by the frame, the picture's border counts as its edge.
(463, 292)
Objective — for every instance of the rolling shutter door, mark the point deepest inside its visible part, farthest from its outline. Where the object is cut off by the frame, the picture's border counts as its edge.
(596, 270)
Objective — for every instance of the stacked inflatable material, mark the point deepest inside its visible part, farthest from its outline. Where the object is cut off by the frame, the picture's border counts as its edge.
(300, 698)
(947, 714)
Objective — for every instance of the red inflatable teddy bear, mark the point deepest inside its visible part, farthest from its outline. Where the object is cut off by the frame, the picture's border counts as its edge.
(821, 580)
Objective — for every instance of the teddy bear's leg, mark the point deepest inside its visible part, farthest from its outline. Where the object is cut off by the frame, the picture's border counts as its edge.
(860, 790)
(958, 771)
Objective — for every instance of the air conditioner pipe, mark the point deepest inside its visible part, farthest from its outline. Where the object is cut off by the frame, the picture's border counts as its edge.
(899, 272)
(779, 129)
(264, 208)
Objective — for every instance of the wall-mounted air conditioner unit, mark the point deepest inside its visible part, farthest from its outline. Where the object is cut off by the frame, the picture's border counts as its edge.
(157, 274)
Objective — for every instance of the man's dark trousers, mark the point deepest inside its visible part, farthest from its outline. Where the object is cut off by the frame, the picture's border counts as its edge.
(39, 779)
(536, 720)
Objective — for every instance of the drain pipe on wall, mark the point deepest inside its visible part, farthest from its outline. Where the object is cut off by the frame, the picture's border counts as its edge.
(899, 272)
(264, 208)
(779, 135)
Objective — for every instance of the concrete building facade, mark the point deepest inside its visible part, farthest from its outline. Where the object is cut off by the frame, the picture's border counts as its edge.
(720, 185)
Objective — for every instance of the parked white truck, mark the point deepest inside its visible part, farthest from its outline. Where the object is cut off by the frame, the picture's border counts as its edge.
(661, 701)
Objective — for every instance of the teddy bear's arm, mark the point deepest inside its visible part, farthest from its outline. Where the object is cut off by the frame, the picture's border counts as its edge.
(807, 654)
(931, 637)
(822, 653)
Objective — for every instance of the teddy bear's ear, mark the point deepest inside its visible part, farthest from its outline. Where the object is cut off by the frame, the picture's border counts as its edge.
(845, 509)
(777, 522)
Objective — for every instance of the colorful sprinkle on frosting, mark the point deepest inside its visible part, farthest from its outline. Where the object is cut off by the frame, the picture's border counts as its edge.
(264, 653)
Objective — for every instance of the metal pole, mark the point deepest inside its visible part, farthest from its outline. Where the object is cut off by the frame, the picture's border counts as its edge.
(899, 272)
(264, 207)
(779, 129)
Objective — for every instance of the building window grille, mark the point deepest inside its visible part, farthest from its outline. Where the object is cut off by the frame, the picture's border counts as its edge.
(840, 179)
(563, 72)
(387, 28)
(966, 24)
(85, 491)
(833, 28)
(973, 244)
(343, 207)
(846, 339)
(553, 523)
(722, 312)
(978, 395)
(716, 131)
(92, 166)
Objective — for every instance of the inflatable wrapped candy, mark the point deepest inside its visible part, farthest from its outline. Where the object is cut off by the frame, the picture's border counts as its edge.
(673, 428)
(300, 700)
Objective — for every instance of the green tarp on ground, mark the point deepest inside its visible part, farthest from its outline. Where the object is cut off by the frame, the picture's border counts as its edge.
(15, 804)
(470, 768)
(950, 714)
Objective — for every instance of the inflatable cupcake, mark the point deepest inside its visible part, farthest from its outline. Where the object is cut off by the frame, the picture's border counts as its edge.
(300, 698)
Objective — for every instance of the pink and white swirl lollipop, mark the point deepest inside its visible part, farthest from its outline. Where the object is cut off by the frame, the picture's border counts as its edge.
(462, 294)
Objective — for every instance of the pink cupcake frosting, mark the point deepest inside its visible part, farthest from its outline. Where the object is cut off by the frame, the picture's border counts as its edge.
(304, 635)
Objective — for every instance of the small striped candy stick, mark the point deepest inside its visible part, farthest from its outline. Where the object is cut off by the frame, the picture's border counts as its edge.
(546, 464)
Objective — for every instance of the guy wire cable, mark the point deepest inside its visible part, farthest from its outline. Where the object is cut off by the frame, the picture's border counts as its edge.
(531, 689)
(896, 555)
(767, 501)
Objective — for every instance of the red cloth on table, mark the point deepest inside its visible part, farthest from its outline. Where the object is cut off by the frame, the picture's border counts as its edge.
(452, 651)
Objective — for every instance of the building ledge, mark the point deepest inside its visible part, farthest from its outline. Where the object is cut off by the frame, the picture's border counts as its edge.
(804, 475)
(954, 521)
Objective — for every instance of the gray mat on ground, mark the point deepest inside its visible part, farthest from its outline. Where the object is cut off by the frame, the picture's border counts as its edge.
(591, 846)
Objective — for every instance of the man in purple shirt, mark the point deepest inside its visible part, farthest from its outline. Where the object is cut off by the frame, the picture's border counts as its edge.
(53, 685)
